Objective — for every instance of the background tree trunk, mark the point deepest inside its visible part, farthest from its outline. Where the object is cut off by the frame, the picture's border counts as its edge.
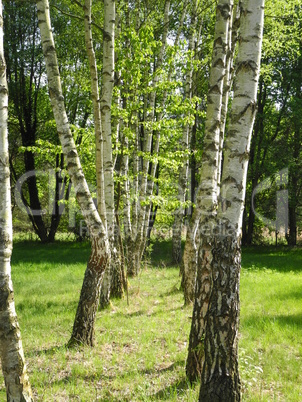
(185, 142)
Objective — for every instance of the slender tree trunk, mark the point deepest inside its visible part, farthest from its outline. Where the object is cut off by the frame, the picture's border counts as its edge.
(184, 170)
(141, 212)
(106, 101)
(255, 157)
(96, 111)
(11, 352)
(192, 243)
(220, 376)
(206, 203)
(83, 328)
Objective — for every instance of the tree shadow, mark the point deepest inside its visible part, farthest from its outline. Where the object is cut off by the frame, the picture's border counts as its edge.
(283, 259)
(48, 351)
(177, 388)
(66, 252)
(291, 320)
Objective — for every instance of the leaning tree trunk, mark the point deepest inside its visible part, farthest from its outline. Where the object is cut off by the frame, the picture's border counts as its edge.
(11, 352)
(83, 329)
(220, 376)
(207, 193)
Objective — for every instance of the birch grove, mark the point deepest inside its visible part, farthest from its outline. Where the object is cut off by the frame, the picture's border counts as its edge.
(11, 351)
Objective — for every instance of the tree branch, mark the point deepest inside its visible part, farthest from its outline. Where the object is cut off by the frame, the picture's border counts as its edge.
(76, 16)
(68, 14)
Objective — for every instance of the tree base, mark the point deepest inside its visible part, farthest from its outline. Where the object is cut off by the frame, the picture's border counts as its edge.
(220, 388)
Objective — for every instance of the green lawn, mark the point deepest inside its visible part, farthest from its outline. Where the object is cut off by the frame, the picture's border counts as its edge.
(141, 348)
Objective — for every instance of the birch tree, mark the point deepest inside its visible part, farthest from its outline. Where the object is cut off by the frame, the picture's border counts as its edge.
(83, 328)
(11, 351)
(105, 104)
(192, 239)
(220, 376)
(208, 192)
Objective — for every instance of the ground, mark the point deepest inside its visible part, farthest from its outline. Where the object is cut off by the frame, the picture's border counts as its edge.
(141, 348)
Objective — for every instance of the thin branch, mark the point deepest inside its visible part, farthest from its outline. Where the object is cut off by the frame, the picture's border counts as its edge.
(68, 14)
(77, 16)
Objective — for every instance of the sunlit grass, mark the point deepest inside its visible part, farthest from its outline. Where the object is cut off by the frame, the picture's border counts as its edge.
(141, 348)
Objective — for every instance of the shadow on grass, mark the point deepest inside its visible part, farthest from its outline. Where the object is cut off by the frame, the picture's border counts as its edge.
(161, 255)
(183, 384)
(283, 259)
(41, 308)
(176, 389)
(140, 313)
(175, 290)
(60, 252)
(256, 321)
(49, 351)
(296, 294)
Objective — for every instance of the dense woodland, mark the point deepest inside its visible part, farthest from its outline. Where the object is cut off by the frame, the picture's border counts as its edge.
(133, 119)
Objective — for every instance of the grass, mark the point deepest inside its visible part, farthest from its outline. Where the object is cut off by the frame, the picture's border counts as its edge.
(141, 348)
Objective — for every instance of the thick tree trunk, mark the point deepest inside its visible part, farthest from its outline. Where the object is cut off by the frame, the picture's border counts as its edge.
(11, 352)
(190, 264)
(220, 376)
(206, 203)
(83, 328)
(85, 317)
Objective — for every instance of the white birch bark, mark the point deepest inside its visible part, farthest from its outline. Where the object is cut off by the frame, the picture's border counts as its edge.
(184, 169)
(83, 329)
(11, 351)
(106, 102)
(96, 111)
(220, 376)
(227, 84)
(192, 241)
(206, 203)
